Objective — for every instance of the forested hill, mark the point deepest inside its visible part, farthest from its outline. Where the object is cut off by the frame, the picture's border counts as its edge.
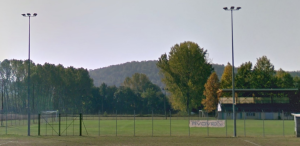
(115, 74)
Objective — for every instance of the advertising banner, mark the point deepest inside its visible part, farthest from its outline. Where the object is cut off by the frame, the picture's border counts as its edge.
(205, 123)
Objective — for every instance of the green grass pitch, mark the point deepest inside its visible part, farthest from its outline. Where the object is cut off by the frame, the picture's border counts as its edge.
(143, 126)
(121, 132)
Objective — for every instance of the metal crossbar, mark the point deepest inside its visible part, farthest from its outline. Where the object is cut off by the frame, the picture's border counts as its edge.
(85, 127)
(69, 125)
(47, 123)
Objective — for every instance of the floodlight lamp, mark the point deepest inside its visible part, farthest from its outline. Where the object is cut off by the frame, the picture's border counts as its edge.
(23, 15)
(34, 14)
(232, 7)
(28, 14)
(238, 8)
(225, 8)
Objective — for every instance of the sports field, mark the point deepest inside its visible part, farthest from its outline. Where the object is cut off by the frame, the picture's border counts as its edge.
(129, 131)
(145, 126)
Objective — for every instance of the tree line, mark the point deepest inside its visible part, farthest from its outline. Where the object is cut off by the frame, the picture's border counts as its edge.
(116, 74)
(260, 76)
(52, 87)
(71, 90)
(190, 82)
(194, 84)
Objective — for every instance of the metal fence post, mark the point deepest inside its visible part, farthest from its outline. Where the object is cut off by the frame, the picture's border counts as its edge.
(263, 123)
(99, 124)
(80, 124)
(133, 122)
(46, 121)
(207, 124)
(52, 128)
(244, 123)
(282, 122)
(189, 121)
(226, 121)
(152, 122)
(66, 124)
(116, 123)
(170, 121)
(58, 124)
(6, 122)
(39, 124)
(73, 122)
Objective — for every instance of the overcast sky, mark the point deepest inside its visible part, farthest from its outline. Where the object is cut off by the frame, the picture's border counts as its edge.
(98, 33)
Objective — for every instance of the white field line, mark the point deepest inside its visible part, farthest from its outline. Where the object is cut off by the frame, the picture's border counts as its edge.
(252, 142)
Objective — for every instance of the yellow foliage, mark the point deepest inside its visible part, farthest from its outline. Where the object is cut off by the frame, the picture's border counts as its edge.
(211, 93)
(226, 79)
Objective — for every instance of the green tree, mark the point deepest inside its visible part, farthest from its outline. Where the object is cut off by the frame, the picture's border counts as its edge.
(263, 74)
(149, 95)
(244, 75)
(125, 99)
(297, 82)
(139, 83)
(103, 92)
(284, 79)
(185, 71)
(211, 88)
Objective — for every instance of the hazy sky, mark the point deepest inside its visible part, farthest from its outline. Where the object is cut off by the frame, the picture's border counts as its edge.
(98, 33)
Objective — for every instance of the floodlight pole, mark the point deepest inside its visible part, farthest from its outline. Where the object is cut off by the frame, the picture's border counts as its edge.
(233, 96)
(28, 98)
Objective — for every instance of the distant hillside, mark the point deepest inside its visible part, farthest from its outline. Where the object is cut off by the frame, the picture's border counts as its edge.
(295, 73)
(115, 74)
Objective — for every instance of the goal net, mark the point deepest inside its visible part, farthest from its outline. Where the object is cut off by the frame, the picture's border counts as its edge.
(49, 116)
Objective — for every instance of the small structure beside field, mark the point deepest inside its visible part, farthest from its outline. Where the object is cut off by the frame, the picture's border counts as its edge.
(269, 104)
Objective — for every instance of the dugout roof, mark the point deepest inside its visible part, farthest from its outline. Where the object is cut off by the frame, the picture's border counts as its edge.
(261, 90)
(271, 107)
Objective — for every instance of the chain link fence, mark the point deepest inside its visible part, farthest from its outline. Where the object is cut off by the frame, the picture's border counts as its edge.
(118, 123)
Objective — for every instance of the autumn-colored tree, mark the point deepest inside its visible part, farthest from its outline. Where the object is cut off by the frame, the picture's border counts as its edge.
(210, 92)
(226, 79)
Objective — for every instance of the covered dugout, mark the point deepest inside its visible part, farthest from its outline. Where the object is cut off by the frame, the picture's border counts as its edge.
(253, 102)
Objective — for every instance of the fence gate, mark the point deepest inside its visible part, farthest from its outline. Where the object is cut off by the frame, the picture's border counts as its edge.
(59, 124)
